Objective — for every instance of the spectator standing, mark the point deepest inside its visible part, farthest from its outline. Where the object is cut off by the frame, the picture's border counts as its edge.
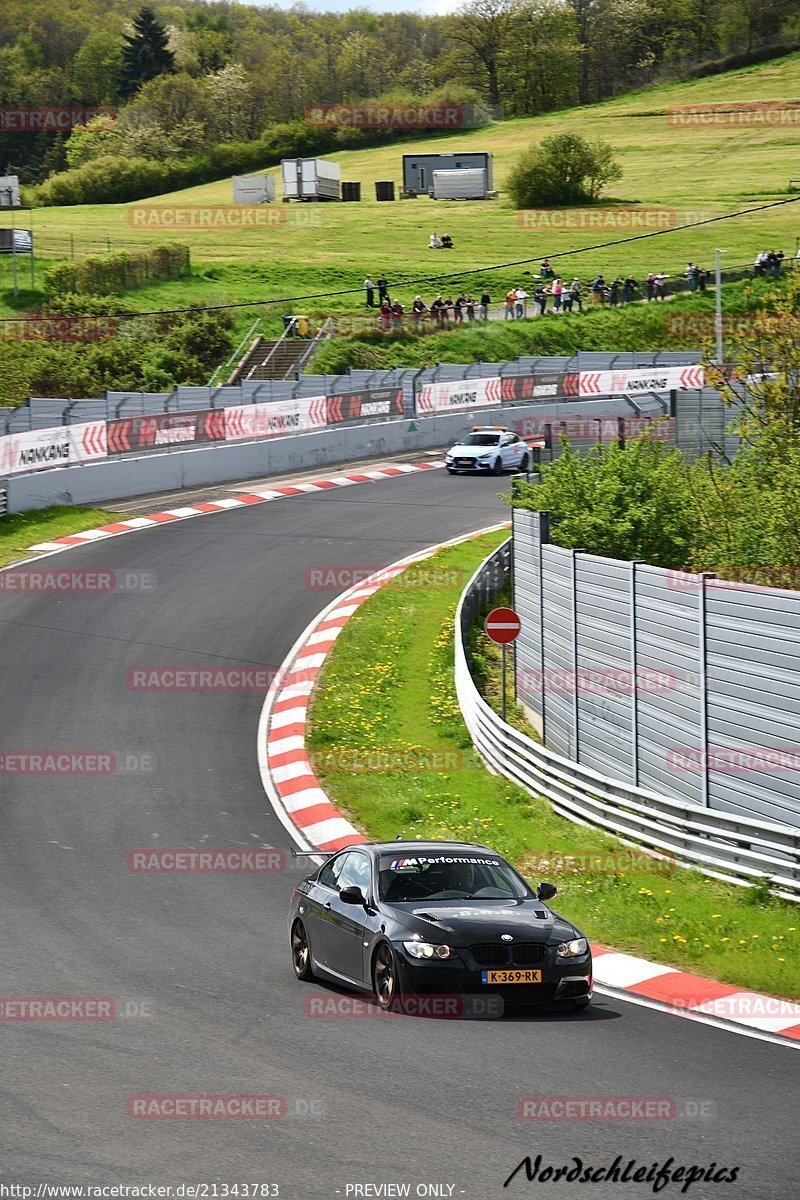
(369, 288)
(566, 300)
(575, 296)
(383, 288)
(511, 300)
(470, 307)
(417, 309)
(522, 297)
(485, 302)
(458, 308)
(437, 310)
(650, 286)
(760, 262)
(599, 290)
(702, 278)
(540, 299)
(658, 285)
(385, 315)
(692, 274)
(558, 291)
(613, 291)
(628, 288)
(448, 309)
(397, 315)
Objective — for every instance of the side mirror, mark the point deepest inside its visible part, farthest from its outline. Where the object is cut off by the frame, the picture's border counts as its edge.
(546, 891)
(352, 895)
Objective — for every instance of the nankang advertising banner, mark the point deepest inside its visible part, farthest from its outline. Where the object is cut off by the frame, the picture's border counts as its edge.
(460, 393)
(60, 446)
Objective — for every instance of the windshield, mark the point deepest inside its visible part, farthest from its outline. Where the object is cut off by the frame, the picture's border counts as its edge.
(480, 439)
(446, 877)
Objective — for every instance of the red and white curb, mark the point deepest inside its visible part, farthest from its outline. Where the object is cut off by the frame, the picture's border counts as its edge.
(242, 500)
(314, 823)
(299, 801)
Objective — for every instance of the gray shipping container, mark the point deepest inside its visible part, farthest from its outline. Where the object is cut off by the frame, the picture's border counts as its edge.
(418, 169)
(310, 179)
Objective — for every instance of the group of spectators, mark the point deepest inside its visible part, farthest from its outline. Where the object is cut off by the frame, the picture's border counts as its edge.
(769, 262)
(551, 292)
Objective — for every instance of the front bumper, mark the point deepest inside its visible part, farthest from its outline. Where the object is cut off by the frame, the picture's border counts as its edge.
(461, 975)
(459, 464)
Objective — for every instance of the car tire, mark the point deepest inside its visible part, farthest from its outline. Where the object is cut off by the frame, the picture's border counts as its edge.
(301, 953)
(384, 976)
(497, 469)
(524, 463)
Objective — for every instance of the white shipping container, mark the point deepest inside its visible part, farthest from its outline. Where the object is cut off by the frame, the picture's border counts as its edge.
(467, 184)
(9, 191)
(253, 189)
(310, 179)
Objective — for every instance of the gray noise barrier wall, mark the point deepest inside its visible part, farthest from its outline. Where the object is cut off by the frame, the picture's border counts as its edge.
(682, 684)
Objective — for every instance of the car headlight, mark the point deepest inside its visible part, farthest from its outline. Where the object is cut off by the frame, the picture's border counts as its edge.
(486, 457)
(448, 457)
(573, 949)
(427, 950)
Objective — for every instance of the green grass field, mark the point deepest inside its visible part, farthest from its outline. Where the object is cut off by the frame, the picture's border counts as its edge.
(691, 170)
(21, 531)
(387, 688)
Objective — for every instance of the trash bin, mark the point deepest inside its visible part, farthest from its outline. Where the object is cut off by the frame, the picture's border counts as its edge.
(351, 192)
(287, 321)
(384, 189)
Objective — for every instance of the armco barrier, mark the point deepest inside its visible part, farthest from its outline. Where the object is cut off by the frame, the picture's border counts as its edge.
(736, 849)
(172, 468)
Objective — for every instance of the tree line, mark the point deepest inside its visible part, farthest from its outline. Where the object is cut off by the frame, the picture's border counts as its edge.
(182, 76)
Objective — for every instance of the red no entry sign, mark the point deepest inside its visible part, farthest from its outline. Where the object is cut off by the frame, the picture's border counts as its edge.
(502, 625)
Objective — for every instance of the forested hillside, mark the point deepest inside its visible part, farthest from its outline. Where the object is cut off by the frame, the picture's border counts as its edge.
(187, 77)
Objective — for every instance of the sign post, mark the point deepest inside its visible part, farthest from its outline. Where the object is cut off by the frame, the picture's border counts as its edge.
(502, 626)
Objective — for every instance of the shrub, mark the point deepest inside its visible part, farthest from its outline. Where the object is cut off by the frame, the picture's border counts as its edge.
(562, 169)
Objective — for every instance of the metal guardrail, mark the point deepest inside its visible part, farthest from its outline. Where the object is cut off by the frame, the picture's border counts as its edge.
(735, 849)
(236, 356)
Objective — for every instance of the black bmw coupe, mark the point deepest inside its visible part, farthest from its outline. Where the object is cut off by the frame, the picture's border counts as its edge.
(400, 919)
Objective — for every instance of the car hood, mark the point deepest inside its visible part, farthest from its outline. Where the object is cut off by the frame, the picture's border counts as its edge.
(465, 922)
(472, 451)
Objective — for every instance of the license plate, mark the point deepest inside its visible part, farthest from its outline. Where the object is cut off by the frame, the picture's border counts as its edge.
(465, 462)
(511, 976)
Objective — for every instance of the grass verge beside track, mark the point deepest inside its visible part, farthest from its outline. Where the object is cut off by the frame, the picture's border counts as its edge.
(389, 745)
(22, 530)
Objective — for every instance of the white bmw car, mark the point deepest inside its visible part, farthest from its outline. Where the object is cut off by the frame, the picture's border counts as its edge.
(488, 448)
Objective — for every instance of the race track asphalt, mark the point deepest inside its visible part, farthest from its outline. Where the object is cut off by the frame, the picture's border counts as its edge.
(201, 963)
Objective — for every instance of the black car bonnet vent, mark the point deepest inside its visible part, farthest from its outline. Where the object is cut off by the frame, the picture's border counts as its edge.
(426, 916)
(541, 913)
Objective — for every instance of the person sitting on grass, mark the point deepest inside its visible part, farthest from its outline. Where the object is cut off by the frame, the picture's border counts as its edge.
(447, 241)
(434, 242)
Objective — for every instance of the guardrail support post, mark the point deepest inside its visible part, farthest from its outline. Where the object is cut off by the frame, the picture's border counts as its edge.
(701, 618)
(634, 674)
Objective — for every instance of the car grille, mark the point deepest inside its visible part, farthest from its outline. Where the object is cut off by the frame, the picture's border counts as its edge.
(498, 955)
